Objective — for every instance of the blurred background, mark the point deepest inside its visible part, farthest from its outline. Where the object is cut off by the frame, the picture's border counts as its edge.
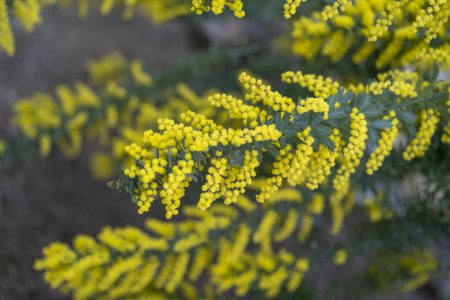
(53, 198)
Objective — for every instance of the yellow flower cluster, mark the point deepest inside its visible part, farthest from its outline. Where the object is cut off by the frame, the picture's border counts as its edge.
(385, 144)
(316, 105)
(171, 259)
(218, 6)
(40, 117)
(324, 33)
(108, 68)
(236, 107)
(115, 121)
(341, 204)
(419, 145)
(228, 182)
(289, 165)
(409, 269)
(354, 150)
(229, 156)
(426, 58)
(124, 261)
(391, 12)
(433, 19)
(419, 263)
(171, 142)
(6, 35)
(290, 7)
(432, 16)
(28, 14)
(321, 163)
(199, 122)
(321, 87)
(400, 83)
(256, 91)
(331, 11)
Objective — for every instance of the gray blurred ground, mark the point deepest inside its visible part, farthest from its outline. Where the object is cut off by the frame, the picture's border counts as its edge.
(50, 199)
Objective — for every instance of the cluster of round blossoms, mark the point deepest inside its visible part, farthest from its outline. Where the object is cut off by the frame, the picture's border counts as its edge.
(226, 159)
(354, 150)
(418, 146)
(218, 6)
(385, 145)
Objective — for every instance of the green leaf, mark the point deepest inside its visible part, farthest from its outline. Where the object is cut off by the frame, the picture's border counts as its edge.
(272, 150)
(321, 131)
(380, 124)
(347, 96)
(373, 137)
(236, 158)
(373, 112)
(407, 117)
(327, 142)
(365, 102)
(290, 132)
(337, 114)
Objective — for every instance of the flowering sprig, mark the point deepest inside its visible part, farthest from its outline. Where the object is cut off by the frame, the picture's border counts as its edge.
(119, 103)
(380, 34)
(345, 124)
(173, 258)
(241, 249)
